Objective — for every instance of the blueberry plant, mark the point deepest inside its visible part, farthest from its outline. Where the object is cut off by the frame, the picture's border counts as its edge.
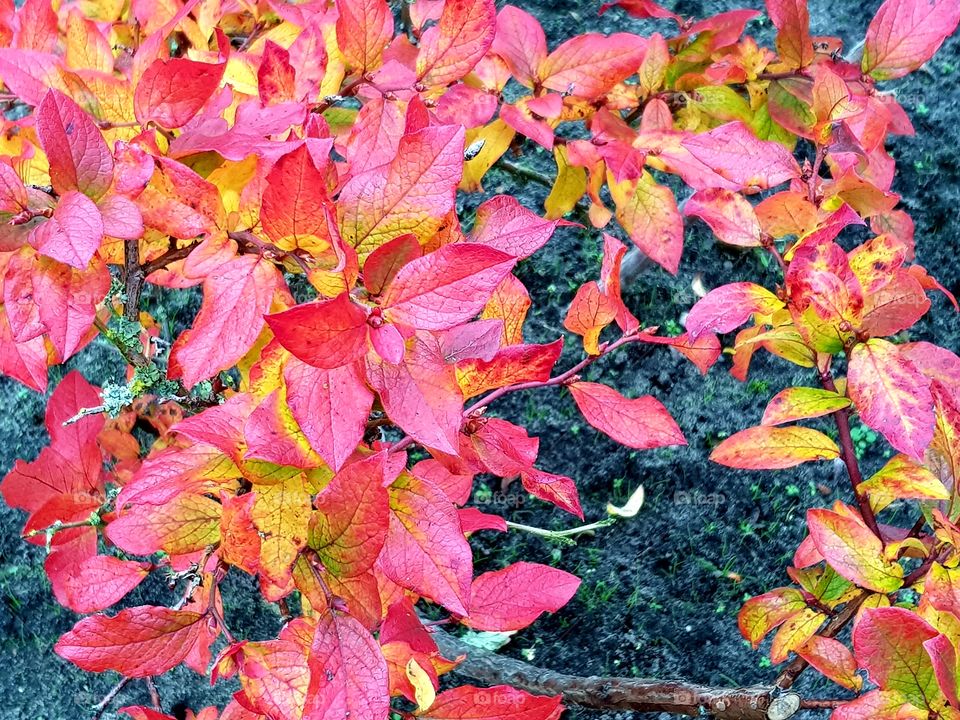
(320, 424)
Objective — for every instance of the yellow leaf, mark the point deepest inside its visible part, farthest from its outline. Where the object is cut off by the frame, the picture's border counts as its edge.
(568, 188)
(424, 691)
(496, 138)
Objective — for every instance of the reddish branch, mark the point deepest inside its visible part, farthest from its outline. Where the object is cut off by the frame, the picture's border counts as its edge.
(842, 419)
(615, 693)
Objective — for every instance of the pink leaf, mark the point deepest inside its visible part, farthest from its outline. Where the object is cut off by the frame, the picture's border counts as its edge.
(642, 423)
(512, 598)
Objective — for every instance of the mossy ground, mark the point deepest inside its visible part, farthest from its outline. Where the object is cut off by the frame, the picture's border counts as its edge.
(660, 591)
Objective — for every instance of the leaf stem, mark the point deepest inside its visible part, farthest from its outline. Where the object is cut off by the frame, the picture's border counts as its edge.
(562, 535)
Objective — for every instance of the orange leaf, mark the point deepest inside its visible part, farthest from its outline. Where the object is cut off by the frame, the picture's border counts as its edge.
(589, 313)
(774, 448)
(589, 65)
(451, 48)
(853, 550)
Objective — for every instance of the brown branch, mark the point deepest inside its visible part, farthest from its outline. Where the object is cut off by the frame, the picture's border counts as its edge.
(169, 257)
(133, 276)
(613, 693)
(250, 243)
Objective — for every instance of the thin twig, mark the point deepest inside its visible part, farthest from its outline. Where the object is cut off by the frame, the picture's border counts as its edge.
(85, 412)
(58, 526)
(101, 707)
(154, 693)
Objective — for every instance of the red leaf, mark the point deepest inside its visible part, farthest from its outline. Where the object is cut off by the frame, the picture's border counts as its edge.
(171, 92)
(326, 334)
(446, 287)
(642, 9)
(25, 362)
(412, 194)
(728, 214)
(610, 274)
(892, 396)
(456, 486)
(72, 464)
(272, 434)
(364, 27)
(774, 448)
(350, 525)
(186, 524)
(494, 703)
(386, 261)
(904, 34)
(235, 298)
(95, 584)
(853, 550)
(556, 489)
(512, 598)
(474, 340)
(348, 673)
(648, 212)
(888, 643)
(762, 613)
(503, 448)
(276, 77)
(640, 423)
(517, 363)
(74, 233)
(472, 520)
(451, 48)
(943, 656)
(68, 302)
(425, 549)
(78, 155)
(274, 674)
(331, 407)
(296, 209)
(137, 642)
(728, 307)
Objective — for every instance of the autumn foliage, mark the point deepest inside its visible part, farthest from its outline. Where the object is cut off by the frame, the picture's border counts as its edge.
(268, 152)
